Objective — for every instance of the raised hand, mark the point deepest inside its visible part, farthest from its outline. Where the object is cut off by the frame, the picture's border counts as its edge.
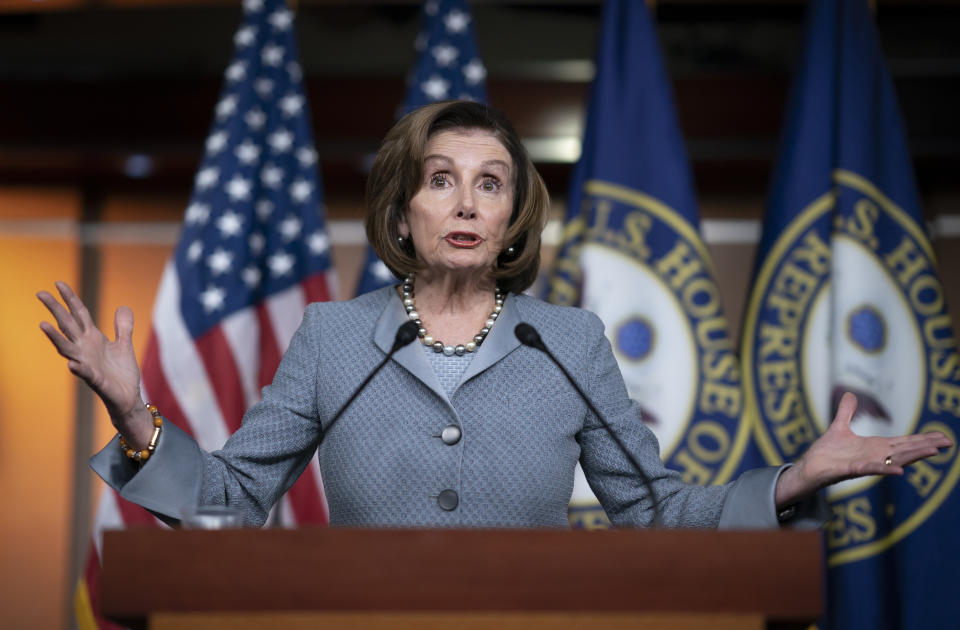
(841, 454)
(109, 368)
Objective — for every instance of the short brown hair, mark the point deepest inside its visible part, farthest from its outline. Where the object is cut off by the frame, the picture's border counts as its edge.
(396, 176)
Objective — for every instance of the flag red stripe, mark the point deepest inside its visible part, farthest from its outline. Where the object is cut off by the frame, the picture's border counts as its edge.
(305, 495)
(305, 500)
(269, 350)
(133, 514)
(315, 288)
(224, 377)
(155, 382)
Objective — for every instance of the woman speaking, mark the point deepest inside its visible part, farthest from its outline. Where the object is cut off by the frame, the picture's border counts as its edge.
(467, 427)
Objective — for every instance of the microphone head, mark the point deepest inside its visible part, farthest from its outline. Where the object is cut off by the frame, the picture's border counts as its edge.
(405, 334)
(528, 335)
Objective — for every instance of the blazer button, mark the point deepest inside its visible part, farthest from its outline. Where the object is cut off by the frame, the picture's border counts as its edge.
(448, 500)
(450, 435)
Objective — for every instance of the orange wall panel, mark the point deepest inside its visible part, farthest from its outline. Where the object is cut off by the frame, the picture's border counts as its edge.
(140, 208)
(37, 433)
(25, 203)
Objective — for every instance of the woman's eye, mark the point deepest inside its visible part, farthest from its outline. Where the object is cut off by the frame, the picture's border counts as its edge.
(438, 180)
(490, 185)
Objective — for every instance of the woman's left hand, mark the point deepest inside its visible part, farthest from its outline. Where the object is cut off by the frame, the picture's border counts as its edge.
(841, 454)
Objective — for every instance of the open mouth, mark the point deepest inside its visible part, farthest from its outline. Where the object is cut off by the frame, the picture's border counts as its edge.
(463, 239)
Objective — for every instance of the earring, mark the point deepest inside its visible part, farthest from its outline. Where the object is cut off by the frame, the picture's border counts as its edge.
(506, 256)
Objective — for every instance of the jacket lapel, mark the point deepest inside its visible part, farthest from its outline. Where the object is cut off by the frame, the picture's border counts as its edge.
(411, 356)
(500, 342)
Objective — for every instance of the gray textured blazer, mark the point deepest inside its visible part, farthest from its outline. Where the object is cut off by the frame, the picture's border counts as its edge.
(383, 464)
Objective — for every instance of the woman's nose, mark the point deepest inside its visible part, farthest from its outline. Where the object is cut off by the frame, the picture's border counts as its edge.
(466, 208)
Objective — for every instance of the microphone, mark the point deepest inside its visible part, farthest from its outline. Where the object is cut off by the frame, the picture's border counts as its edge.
(528, 336)
(405, 334)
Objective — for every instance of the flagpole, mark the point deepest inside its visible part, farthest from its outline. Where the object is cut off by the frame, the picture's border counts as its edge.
(89, 288)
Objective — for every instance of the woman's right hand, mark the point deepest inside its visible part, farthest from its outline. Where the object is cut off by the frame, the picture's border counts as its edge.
(109, 368)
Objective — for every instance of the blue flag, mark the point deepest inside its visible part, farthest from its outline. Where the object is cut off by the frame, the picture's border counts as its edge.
(448, 67)
(847, 298)
(632, 253)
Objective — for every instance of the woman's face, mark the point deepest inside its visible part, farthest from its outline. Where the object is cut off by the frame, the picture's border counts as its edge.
(459, 215)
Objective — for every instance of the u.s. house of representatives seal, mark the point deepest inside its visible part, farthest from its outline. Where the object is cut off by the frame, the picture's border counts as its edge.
(643, 268)
(848, 299)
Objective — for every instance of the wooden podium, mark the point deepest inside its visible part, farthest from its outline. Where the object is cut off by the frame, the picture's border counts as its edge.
(452, 579)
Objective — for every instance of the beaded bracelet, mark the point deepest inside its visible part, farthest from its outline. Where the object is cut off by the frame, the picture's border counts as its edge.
(144, 455)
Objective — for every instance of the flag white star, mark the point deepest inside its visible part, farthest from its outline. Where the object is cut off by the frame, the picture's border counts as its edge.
(252, 5)
(280, 140)
(230, 223)
(263, 86)
(381, 271)
(436, 87)
(236, 71)
(318, 242)
(272, 55)
(247, 152)
(217, 141)
(444, 54)
(290, 228)
(212, 299)
(474, 72)
(281, 19)
(291, 104)
(257, 242)
(271, 176)
(306, 156)
(280, 263)
(300, 190)
(250, 276)
(295, 71)
(238, 188)
(431, 7)
(220, 261)
(245, 36)
(195, 250)
(207, 177)
(264, 208)
(197, 213)
(255, 118)
(456, 21)
(227, 106)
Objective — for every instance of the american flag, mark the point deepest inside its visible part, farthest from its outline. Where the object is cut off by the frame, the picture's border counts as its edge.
(448, 67)
(252, 254)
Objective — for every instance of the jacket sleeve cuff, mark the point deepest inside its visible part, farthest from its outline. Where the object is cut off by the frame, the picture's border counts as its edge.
(167, 483)
(751, 504)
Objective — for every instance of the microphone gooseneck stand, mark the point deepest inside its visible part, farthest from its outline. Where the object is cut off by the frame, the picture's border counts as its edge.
(528, 336)
(405, 334)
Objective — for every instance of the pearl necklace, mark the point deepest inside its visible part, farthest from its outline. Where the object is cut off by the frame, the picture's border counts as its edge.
(437, 345)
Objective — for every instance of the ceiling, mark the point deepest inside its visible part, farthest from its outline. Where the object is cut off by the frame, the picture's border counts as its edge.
(86, 84)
